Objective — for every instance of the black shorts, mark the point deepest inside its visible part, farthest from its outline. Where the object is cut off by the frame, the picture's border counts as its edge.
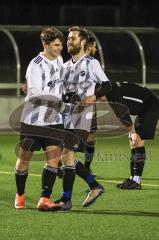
(84, 145)
(74, 137)
(145, 125)
(33, 138)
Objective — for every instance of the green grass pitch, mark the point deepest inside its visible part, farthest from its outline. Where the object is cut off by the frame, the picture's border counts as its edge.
(117, 215)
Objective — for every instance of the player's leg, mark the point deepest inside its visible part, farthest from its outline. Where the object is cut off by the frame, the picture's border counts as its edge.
(65, 203)
(68, 158)
(88, 177)
(89, 149)
(21, 174)
(28, 144)
(96, 189)
(85, 174)
(68, 174)
(53, 155)
(52, 144)
(137, 161)
(68, 179)
(145, 128)
(60, 172)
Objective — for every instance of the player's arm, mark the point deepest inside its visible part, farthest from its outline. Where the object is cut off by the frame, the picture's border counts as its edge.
(34, 80)
(118, 106)
(35, 84)
(98, 75)
(100, 78)
(36, 91)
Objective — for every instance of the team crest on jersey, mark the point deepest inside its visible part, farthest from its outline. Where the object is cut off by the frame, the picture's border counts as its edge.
(82, 73)
(50, 83)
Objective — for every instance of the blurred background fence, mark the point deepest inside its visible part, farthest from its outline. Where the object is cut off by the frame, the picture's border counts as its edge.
(126, 54)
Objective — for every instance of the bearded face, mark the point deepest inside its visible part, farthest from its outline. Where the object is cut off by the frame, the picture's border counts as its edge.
(74, 43)
(74, 49)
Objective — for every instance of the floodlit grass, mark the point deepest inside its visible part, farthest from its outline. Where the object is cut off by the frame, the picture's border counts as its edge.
(117, 215)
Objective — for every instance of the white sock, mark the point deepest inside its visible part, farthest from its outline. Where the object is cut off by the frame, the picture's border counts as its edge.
(137, 179)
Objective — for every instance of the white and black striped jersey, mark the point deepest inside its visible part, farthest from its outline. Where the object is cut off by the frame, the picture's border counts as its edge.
(81, 78)
(44, 85)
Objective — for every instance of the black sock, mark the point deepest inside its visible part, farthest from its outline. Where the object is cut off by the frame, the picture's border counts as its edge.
(89, 154)
(132, 162)
(68, 181)
(140, 156)
(83, 173)
(48, 180)
(20, 178)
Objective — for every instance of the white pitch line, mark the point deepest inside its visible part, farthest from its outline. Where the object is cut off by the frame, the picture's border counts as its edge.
(143, 184)
(99, 180)
(12, 173)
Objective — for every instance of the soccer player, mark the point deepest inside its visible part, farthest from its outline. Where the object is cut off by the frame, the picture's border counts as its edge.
(69, 172)
(39, 118)
(81, 73)
(91, 47)
(144, 104)
(88, 149)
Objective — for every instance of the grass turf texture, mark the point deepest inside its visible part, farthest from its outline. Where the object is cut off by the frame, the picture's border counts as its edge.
(118, 214)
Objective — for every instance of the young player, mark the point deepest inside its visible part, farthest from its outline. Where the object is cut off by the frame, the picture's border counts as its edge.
(68, 179)
(38, 118)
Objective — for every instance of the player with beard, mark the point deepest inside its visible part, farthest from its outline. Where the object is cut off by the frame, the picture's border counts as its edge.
(69, 170)
(81, 74)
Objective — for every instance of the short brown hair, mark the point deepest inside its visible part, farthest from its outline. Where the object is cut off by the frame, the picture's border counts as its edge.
(82, 32)
(90, 42)
(49, 34)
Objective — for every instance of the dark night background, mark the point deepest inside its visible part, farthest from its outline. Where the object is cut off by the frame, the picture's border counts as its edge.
(95, 13)
(121, 55)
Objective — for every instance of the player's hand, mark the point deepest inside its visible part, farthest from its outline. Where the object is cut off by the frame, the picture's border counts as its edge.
(134, 138)
(88, 100)
(103, 99)
(25, 88)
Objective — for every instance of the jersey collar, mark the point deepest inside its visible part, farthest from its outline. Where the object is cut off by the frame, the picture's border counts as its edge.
(79, 60)
(46, 59)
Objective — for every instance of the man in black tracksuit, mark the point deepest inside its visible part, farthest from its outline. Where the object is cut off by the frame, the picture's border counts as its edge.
(144, 104)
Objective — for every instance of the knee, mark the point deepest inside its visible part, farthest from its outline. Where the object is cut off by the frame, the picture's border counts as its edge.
(22, 164)
(56, 162)
(25, 157)
(68, 158)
